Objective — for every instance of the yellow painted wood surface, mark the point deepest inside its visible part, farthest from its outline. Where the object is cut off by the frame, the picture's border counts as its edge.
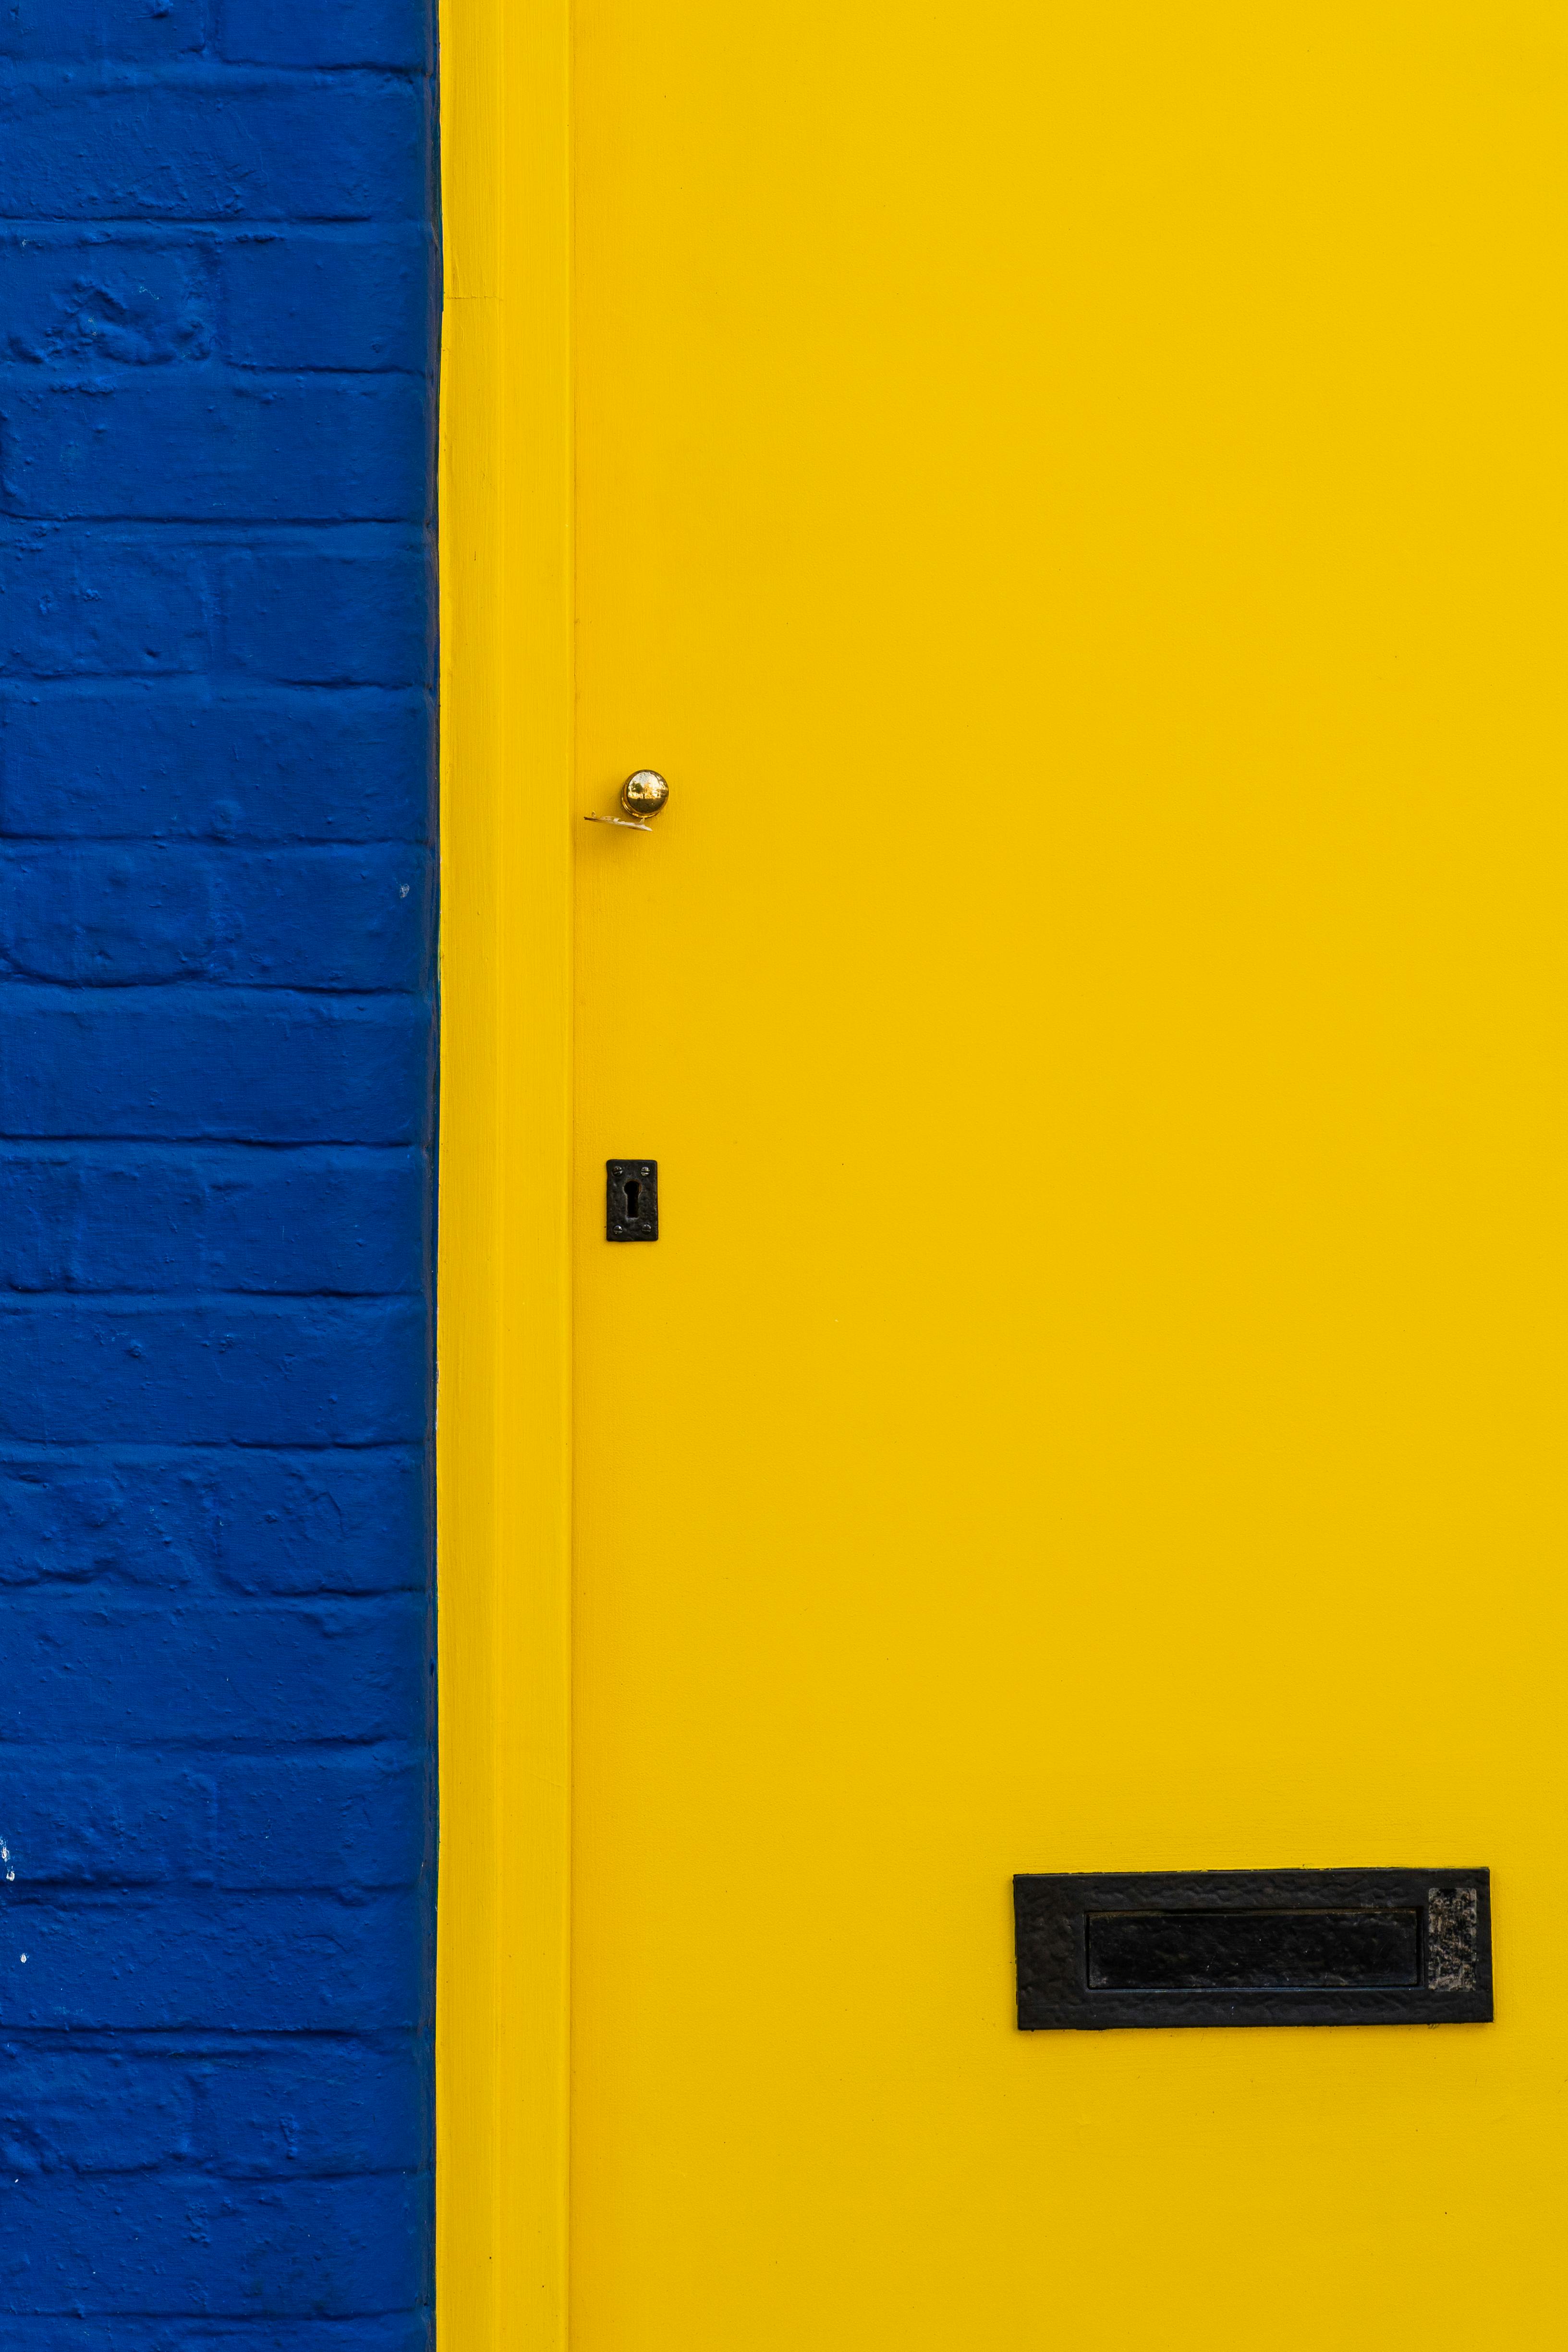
(1074, 501)
(504, 1412)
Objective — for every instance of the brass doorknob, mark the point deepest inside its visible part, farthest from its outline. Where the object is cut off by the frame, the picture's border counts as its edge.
(644, 794)
(642, 797)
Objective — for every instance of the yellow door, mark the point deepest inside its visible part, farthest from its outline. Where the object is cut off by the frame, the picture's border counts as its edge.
(1075, 501)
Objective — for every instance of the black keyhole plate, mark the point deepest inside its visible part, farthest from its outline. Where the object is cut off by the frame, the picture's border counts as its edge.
(631, 1200)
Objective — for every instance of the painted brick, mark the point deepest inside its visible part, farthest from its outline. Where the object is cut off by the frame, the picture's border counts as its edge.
(80, 1218)
(310, 2248)
(318, 1821)
(358, 920)
(77, 606)
(211, 1372)
(392, 33)
(92, 2111)
(136, 1823)
(326, 298)
(349, 1222)
(221, 1064)
(209, 144)
(324, 1523)
(77, 31)
(117, 914)
(228, 1963)
(280, 766)
(99, 1671)
(255, 1522)
(286, 2112)
(395, 2332)
(310, 618)
(78, 301)
(275, 449)
(78, 1518)
(216, 770)
(107, 914)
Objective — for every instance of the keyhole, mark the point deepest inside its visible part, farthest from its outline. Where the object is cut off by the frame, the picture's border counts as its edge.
(634, 1193)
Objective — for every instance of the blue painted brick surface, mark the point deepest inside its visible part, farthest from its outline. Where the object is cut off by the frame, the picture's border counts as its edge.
(284, 2110)
(280, 449)
(323, 1523)
(308, 616)
(154, 1218)
(81, 2111)
(119, 913)
(217, 349)
(104, 606)
(212, 1671)
(344, 1820)
(202, 143)
(327, 297)
(238, 1964)
(103, 298)
(333, 2248)
(138, 1822)
(257, 766)
(328, 32)
(234, 1520)
(395, 2332)
(78, 32)
(235, 2107)
(86, 1516)
(233, 1371)
(244, 1065)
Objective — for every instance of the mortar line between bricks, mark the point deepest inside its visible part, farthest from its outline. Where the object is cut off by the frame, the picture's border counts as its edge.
(274, 1144)
(241, 841)
(175, 1142)
(104, 375)
(239, 1447)
(96, 990)
(218, 2315)
(123, 1302)
(237, 225)
(102, 378)
(255, 1749)
(191, 985)
(199, 1755)
(115, 1147)
(194, 2169)
(53, 990)
(234, 690)
(197, 74)
(412, 535)
(36, 517)
(284, 847)
(227, 837)
(123, 1452)
(406, 228)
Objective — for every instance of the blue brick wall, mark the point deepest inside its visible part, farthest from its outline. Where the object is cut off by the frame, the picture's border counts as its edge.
(217, 334)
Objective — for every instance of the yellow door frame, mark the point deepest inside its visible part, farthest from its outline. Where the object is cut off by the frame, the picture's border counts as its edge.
(503, 1445)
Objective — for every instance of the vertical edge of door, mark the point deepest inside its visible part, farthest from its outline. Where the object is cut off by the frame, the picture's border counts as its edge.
(504, 1344)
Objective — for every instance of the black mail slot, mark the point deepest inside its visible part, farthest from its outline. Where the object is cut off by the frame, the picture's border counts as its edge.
(1253, 1948)
(1132, 1951)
